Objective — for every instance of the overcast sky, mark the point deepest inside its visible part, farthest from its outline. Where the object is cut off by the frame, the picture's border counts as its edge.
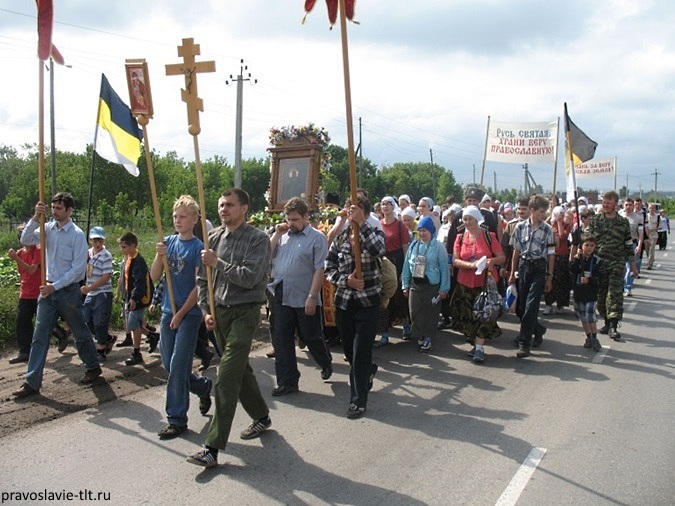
(424, 75)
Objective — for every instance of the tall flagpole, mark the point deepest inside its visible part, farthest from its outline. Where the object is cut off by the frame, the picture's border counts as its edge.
(487, 134)
(555, 162)
(573, 175)
(350, 135)
(41, 168)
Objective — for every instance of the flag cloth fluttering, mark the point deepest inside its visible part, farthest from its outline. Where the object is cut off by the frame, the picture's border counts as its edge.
(45, 19)
(117, 138)
(579, 148)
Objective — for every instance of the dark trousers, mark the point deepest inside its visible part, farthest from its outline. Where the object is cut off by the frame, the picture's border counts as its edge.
(25, 313)
(531, 278)
(287, 321)
(357, 328)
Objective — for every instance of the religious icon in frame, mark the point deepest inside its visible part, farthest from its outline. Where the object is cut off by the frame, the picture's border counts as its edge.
(138, 81)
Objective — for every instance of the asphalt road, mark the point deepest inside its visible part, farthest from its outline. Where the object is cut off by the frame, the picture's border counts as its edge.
(565, 426)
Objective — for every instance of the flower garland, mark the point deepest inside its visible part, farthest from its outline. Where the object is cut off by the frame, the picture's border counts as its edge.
(313, 134)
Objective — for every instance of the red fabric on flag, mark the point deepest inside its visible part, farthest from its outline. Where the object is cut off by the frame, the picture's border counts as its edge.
(45, 19)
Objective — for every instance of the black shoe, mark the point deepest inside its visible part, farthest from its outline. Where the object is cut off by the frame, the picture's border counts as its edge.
(613, 332)
(284, 390)
(355, 412)
(127, 342)
(516, 341)
(605, 328)
(134, 359)
(110, 343)
(206, 361)
(61, 338)
(25, 391)
(21, 357)
(523, 351)
(327, 373)
(204, 457)
(373, 372)
(256, 428)
(91, 375)
(205, 401)
(595, 344)
(588, 344)
(102, 355)
(153, 338)
(537, 340)
(444, 323)
(171, 431)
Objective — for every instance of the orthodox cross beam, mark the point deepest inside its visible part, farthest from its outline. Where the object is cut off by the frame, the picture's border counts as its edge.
(189, 69)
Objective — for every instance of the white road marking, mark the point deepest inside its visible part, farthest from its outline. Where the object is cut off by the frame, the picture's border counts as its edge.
(629, 307)
(648, 281)
(512, 492)
(599, 356)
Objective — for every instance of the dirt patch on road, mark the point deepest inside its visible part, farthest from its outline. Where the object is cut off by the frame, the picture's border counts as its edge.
(61, 392)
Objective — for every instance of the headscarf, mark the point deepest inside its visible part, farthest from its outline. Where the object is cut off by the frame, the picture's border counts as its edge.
(474, 212)
(427, 224)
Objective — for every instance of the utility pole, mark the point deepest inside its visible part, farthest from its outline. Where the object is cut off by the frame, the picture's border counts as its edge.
(474, 173)
(494, 174)
(627, 192)
(240, 108)
(433, 178)
(656, 174)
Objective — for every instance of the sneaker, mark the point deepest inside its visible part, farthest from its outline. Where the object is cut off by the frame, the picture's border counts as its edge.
(384, 341)
(595, 344)
(326, 373)
(548, 310)
(538, 337)
(420, 341)
(171, 431)
(110, 343)
(153, 339)
(205, 401)
(20, 358)
(102, 355)
(25, 391)
(284, 390)
(206, 361)
(588, 344)
(471, 352)
(523, 351)
(628, 293)
(256, 428)
(355, 411)
(127, 342)
(91, 375)
(478, 357)
(134, 359)
(373, 372)
(425, 347)
(203, 458)
(444, 323)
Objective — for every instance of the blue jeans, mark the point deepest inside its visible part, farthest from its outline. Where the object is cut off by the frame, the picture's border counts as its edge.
(531, 279)
(66, 302)
(357, 328)
(288, 320)
(97, 310)
(177, 347)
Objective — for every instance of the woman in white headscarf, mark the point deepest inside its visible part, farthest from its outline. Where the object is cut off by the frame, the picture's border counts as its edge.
(470, 246)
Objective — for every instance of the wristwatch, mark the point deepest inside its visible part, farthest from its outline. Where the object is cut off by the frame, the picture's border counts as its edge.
(310, 296)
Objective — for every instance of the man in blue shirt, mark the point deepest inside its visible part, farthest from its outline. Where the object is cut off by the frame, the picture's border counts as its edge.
(299, 251)
(66, 250)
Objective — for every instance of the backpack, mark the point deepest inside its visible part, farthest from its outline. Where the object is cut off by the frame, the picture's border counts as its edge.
(388, 279)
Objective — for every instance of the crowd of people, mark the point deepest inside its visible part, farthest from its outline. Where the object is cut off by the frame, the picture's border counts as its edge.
(425, 267)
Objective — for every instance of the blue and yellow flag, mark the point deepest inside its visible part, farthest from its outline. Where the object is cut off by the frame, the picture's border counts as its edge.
(118, 138)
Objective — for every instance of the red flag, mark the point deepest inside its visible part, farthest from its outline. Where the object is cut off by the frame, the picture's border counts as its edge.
(45, 22)
(45, 19)
(332, 9)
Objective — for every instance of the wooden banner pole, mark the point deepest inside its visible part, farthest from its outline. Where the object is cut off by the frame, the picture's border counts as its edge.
(41, 169)
(350, 135)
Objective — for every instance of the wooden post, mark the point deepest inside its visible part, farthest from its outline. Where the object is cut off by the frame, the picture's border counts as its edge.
(41, 169)
(189, 69)
(350, 134)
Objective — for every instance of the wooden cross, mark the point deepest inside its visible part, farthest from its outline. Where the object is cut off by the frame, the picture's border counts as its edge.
(189, 68)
